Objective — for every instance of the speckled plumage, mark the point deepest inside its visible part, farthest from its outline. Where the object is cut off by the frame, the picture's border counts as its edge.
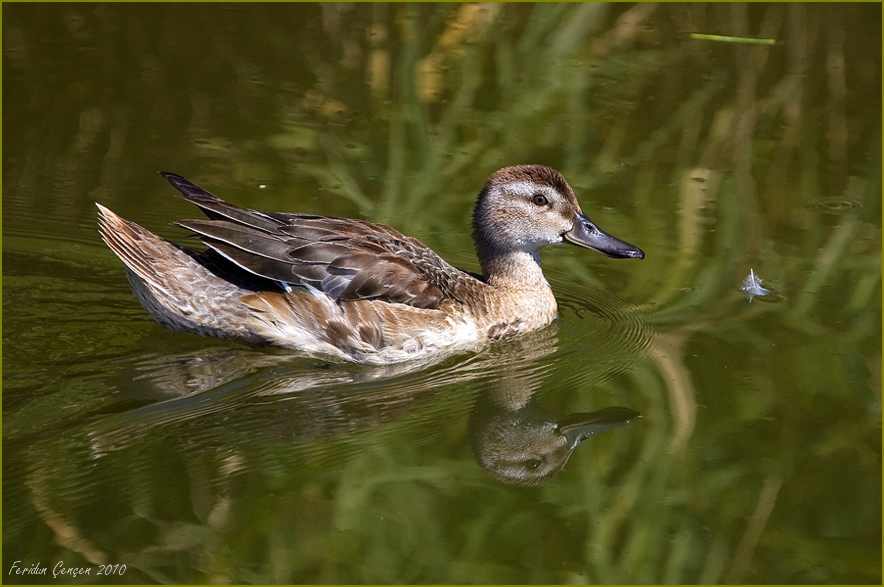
(355, 290)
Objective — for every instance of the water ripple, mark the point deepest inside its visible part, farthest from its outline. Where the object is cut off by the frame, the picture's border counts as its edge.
(600, 325)
(837, 206)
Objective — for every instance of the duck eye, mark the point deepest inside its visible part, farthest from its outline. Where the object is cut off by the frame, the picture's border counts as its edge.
(539, 200)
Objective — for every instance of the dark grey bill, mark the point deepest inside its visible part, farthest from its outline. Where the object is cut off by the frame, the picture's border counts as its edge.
(586, 234)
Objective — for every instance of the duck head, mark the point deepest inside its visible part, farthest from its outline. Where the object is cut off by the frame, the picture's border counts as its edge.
(525, 207)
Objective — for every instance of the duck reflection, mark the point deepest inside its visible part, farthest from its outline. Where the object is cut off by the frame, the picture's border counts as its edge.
(241, 395)
(518, 442)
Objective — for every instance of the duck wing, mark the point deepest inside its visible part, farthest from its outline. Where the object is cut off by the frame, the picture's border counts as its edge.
(345, 259)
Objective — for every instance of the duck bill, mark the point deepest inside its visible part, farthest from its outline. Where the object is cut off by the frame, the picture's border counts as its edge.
(578, 427)
(586, 234)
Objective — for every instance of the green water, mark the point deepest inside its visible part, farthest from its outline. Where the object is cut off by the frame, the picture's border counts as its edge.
(164, 457)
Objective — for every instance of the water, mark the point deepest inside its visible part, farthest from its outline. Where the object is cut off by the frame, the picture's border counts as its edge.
(190, 460)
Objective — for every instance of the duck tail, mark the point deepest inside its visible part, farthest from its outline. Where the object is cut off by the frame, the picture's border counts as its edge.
(165, 278)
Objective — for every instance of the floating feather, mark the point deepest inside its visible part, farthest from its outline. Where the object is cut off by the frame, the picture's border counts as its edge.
(752, 286)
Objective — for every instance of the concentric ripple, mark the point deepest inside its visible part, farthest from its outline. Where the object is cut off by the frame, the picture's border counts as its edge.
(603, 326)
(837, 206)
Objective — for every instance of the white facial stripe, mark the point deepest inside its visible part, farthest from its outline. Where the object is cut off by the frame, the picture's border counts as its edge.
(528, 188)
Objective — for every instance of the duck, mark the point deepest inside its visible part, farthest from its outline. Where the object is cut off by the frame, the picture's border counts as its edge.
(351, 290)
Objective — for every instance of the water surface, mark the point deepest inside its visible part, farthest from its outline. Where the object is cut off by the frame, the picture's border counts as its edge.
(757, 457)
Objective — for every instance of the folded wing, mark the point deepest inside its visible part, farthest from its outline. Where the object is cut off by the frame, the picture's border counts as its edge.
(346, 259)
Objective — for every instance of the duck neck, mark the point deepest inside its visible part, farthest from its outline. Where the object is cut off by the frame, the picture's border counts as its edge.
(518, 298)
(516, 270)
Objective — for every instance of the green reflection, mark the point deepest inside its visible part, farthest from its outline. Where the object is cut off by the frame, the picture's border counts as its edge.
(758, 455)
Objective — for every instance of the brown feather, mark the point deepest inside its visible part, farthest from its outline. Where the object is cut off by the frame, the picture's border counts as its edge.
(345, 259)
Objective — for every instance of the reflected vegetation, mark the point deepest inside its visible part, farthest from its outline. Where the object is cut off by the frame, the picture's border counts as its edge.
(757, 457)
(240, 423)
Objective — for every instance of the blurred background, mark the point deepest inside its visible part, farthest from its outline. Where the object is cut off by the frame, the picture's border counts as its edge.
(171, 458)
